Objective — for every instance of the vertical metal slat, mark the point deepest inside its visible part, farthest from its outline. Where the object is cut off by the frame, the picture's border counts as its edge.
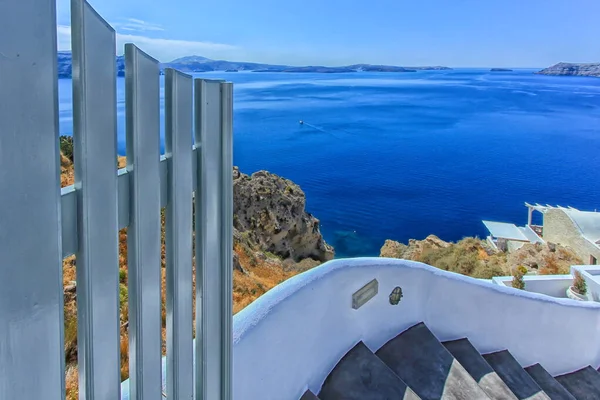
(198, 348)
(211, 337)
(31, 299)
(226, 224)
(210, 191)
(95, 155)
(178, 132)
(143, 235)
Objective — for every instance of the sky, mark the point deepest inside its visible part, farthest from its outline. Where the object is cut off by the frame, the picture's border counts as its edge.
(455, 33)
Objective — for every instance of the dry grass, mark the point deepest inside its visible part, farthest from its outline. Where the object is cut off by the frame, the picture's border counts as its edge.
(67, 174)
(552, 266)
(71, 382)
(482, 254)
(466, 257)
(261, 277)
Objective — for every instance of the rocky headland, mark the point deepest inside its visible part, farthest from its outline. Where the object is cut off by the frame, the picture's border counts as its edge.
(572, 69)
(270, 211)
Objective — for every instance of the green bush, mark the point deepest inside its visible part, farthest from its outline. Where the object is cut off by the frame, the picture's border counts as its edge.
(123, 295)
(66, 146)
(123, 276)
(517, 281)
(70, 336)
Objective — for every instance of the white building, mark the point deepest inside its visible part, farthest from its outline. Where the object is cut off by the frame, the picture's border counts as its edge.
(570, 227)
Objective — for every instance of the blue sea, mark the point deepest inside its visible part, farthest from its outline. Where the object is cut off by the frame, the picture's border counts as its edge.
(399, 156)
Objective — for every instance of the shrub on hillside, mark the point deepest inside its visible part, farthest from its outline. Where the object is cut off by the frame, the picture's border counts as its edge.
(463, 258)
(487, 271)
(517, 281)
(66, 146)
(470, 244)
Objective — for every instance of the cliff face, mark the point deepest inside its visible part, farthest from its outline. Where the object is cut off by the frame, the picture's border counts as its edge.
(572, 69)
(270, 212)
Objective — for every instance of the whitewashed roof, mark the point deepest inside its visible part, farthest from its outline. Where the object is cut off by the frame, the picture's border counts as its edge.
(588, 223)
(504, 230)
(531, 235)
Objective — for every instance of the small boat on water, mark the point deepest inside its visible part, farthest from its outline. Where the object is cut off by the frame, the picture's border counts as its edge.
(301, 122)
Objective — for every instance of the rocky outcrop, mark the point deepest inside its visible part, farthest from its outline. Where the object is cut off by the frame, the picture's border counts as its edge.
(547, 258)
(415, 248)
(269, 213)
(572, 69)
(393, 249)
(474, 257)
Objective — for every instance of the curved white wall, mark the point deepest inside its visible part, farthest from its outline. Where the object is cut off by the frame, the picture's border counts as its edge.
(292, 337)
(550, 285)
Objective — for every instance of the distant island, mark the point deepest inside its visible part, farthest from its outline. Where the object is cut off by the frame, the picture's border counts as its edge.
(572, 69)
(501, 70)
(202, 64)
(317, 69)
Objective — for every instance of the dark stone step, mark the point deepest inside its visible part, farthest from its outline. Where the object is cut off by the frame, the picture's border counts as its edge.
(549, 385)
(467, 355)
(308, 395)
(360, 375)
(515, 377)
(421, 361)
(584, 384)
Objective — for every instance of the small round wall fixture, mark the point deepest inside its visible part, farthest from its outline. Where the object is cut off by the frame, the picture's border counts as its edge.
(396, 295)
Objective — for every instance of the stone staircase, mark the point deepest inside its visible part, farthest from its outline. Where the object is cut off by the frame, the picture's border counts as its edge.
(416, 365)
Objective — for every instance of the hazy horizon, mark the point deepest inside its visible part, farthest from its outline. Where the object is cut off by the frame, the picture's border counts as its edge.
(462, 34)
(342, 65)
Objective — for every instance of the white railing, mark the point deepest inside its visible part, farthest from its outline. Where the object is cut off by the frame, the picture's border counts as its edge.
(39, 225)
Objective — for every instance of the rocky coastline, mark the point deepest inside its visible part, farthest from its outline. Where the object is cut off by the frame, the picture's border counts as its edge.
(196, 64)
(572, 69)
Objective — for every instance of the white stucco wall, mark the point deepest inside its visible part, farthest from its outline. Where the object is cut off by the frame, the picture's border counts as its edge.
(551, 285)
(291, 338)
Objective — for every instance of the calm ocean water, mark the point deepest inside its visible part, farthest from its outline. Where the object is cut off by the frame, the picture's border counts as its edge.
(399, 156)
